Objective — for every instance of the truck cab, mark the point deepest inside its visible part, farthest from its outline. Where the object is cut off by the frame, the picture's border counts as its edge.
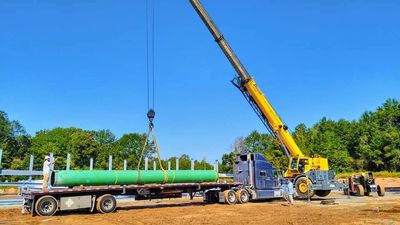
(258, 176)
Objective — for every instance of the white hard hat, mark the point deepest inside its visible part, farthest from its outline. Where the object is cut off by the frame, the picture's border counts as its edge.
(47, 157)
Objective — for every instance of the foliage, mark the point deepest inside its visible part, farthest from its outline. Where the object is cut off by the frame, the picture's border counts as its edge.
(372, 143)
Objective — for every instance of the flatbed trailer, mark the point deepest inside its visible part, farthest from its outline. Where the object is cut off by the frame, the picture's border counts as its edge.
(102, 198)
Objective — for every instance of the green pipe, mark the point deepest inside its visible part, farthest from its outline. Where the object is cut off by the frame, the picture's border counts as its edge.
(72, 178)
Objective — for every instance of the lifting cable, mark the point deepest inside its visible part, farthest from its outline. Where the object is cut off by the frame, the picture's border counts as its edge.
(150, 37)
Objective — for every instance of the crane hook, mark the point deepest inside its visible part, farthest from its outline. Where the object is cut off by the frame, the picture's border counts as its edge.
(151, 114)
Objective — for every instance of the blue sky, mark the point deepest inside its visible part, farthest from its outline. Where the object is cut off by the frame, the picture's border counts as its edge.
(82, 64)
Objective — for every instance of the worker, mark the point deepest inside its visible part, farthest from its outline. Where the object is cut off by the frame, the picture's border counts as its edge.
(46, 172)
(290, 192)
(285, 191)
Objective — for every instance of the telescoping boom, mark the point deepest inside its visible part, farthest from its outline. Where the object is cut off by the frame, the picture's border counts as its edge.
(270, 117)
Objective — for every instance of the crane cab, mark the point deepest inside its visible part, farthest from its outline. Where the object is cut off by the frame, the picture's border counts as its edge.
(302, 165)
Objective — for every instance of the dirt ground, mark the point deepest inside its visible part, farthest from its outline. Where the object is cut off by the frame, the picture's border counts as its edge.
(356, 210)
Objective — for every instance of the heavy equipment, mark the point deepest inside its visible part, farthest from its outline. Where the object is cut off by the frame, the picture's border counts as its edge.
(363, 185)
(311, 175)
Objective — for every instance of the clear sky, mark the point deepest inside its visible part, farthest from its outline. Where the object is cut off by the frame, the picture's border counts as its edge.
(82, 63)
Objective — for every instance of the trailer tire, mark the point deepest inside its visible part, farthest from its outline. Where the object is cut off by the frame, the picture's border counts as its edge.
(230, 197)
(46, 206)
(106, 203)
(242, 196)
(381, 190)
(360, 190)
(322, 193)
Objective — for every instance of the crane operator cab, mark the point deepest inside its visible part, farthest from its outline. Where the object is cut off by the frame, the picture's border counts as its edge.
(258, 176)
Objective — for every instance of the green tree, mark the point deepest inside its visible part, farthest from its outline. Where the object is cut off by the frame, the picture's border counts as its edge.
(129, 147)
(106, 144)
(60, 141)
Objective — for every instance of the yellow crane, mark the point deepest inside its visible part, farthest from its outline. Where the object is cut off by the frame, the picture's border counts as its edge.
(311, 175)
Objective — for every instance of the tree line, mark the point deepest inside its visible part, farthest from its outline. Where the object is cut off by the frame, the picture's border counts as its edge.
(82, 145)
(370, 143)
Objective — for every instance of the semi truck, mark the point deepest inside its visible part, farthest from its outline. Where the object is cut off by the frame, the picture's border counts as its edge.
(254, 179)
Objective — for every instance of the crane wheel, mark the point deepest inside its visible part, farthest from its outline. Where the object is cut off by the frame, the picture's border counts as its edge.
(301, 188)
(106, 203)
(242, 196)
(46, 206)
(381, 190)
(322, 193)
(360, 190)
(230, 197)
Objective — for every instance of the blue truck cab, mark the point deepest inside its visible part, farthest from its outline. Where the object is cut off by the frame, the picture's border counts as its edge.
(258, 177)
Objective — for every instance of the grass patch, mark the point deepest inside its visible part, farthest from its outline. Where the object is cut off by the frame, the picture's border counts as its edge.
(381, 174)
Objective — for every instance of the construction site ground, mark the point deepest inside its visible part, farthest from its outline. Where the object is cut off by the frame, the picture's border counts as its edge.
(353, 210)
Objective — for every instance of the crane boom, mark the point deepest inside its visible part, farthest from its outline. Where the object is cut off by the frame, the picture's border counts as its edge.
(219, 38)
(250, 89)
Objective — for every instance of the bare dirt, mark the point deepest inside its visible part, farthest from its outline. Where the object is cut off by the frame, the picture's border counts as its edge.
(356, 210)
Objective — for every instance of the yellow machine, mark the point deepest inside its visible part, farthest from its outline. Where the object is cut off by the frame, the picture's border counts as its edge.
(310, 175)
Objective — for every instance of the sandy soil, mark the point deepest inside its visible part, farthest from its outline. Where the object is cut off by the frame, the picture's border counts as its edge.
(356, 210)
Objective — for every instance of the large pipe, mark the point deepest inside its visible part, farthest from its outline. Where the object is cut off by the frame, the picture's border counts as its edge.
(72, 178)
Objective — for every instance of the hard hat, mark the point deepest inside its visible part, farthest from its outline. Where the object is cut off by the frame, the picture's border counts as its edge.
(46, 157)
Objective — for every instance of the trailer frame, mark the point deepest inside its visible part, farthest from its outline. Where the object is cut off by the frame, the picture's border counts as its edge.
(88, 196)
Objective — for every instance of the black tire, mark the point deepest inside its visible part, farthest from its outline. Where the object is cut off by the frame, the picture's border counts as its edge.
(360, 190)
(46, 206)
(106, 204)
(230, 197)
(242, 196)
(381, 190)
(301, 188)
(322, 193)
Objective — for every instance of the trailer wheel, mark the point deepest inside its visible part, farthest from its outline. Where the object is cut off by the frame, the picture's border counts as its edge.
(242, 196)
(360, 190)
(322, 193)
(381, 190)
(46, 206)
(230, 197)
(106, 204)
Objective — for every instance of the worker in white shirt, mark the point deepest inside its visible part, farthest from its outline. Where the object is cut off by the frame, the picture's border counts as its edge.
(46, 172)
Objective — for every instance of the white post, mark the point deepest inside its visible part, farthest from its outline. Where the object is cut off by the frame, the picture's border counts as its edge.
(146, 163)
(169, 165)
(177, 163)
(192, 165)
(1, 154)
(52, 160)
(91, 164)
(110, 162)
(30, 168)
(125, 164)
(68, 161)
(216, 166)
(154, 165)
